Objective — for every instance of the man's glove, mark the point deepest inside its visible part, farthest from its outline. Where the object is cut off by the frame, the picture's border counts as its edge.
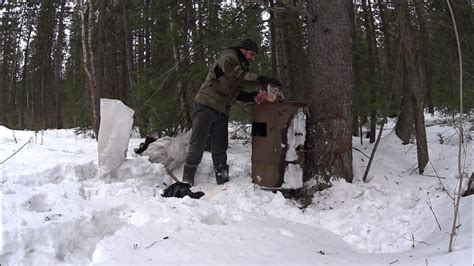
(272, 94)
(262, 97)
(264, 80)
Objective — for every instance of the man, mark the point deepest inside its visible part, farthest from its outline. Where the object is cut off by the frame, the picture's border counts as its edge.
(223, 86)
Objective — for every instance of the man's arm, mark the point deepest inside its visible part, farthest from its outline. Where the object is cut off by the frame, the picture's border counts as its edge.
(247, 97)
(232, 69)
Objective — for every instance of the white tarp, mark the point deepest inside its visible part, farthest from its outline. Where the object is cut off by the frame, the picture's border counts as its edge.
(171, 152)
(116, 120)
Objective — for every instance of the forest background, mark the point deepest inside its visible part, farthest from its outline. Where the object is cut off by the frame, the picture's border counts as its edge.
(153, 55)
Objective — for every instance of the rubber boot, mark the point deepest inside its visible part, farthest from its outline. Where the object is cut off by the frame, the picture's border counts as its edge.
(222, 173)
(189, 171)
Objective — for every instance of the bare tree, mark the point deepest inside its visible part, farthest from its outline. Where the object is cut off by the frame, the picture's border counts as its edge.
(88, 63)
(426, 53)
(58, 51)
(372, 47)
(411, 91)
(127, 41)
(461, 173)
(281, 15)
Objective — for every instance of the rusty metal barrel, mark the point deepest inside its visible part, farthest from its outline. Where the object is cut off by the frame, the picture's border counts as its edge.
(270, 125)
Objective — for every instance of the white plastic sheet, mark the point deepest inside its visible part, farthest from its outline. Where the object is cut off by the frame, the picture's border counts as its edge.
(171, 152)
(114, 134)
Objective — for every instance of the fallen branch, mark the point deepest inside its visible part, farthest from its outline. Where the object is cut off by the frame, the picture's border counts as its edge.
(361, 152)
(413, 241)
(432, 211)
(14, 137)
(17, 150)
(154, 242)
(385, 114)
(151, 245)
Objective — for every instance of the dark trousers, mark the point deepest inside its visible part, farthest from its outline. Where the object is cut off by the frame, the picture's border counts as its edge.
(208, 124)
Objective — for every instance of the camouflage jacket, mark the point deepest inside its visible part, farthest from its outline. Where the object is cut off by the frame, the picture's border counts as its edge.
(225, 80)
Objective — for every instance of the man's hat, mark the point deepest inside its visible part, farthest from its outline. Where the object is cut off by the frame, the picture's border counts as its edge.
(248, 44)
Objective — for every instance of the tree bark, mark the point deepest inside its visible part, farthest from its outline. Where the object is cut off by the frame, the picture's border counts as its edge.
(370, 38)
(5, 42)
(412, 93)
(43, 72)
(404, 125)
(329, 136)
(93, 94)
(129, 71)
(26, 102)
(387, 39)
(182, 88)
(283, 61)
(273, 39)
(426, 53)
(58, 61)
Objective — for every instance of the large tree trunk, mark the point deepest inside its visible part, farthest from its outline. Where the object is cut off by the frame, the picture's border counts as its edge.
(390, 64)
(25, 104)
(329, 124)
(127, 41)
(427, 65)
(371, 44)
(7, 50)
(283, 56)
(91, 83)
(387, 37)
(57, 67)
(404, 126)
(179, 61)
(412, 93)
(44, 75)
(273, 39)
(355, 70)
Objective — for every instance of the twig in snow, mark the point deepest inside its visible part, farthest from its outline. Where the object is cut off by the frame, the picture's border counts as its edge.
(17, 150)
(395, 261)
(361, 152)
(14, 137)
(379, 136)
(413, 241)
(151, 245)
(432, 211)
(412, 169)
(439, 177)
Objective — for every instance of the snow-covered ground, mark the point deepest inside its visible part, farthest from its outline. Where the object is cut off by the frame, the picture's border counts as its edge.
(56, 209)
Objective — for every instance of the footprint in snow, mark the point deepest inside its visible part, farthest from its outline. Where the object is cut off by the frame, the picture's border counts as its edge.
(286, 232)
(38, 203)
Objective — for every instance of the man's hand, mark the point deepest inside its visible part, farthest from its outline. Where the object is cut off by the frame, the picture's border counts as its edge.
(271, 95)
